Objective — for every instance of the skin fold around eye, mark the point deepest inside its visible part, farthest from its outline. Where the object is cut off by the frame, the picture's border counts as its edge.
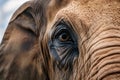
(63, 45)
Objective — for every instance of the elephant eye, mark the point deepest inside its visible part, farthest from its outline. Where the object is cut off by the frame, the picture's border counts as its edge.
(64, 36)
(63, 45)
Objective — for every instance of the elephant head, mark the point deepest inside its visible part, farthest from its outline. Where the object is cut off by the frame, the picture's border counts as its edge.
(62, 40)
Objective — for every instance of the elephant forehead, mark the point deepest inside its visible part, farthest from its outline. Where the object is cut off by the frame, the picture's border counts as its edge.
(91, 13)
(88, 17)
(74, 13)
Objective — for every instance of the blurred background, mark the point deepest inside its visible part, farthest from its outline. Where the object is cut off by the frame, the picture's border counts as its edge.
(7, 8)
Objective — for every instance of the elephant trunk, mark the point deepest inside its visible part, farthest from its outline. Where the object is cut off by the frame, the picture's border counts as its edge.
(104, 54)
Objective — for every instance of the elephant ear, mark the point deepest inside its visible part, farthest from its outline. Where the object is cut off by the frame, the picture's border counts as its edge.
(19, 50)
(20, 18)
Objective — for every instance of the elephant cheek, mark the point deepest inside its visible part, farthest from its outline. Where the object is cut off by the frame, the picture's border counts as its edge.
(104, 56)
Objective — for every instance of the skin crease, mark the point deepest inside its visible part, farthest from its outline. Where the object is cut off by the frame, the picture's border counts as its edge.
(25, 54)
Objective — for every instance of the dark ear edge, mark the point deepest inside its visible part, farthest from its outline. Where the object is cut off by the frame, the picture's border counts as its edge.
(20, 10)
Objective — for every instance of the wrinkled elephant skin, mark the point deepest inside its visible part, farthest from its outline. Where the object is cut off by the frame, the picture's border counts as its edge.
(62, 40)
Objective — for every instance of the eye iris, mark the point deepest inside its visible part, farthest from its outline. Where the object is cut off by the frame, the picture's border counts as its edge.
(64, 37)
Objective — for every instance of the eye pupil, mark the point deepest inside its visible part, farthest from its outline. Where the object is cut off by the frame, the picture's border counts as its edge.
(64, 37)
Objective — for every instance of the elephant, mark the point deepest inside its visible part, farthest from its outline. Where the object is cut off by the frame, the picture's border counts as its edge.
(62, 40)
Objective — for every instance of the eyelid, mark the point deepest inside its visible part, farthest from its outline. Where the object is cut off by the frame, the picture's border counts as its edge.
(66, 26)
(60, 31)
(59, 28)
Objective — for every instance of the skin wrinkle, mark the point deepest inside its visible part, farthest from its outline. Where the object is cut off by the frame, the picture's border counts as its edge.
(115, 36)
(111, 53)
(96, 50)
(105, 47)
(112, 69)
(100, 58)
(107, 63)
